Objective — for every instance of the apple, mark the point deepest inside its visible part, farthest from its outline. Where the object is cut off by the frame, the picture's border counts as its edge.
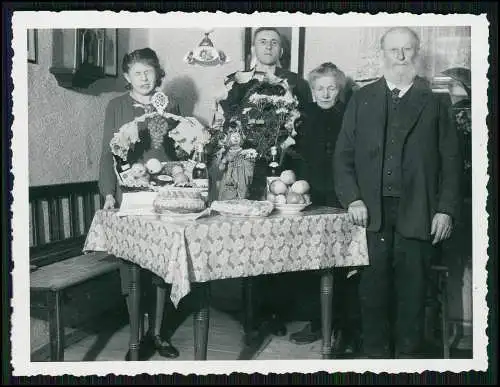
(181, 178)
(277, 187)
(288, 177)
(300, 186)
(138, 170)
(280, 199)
(176, 169)
(294, 198)
(154, 166)
(271, 197)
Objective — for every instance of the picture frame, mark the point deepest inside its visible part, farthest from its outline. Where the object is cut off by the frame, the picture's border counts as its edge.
(111, 52)
(32, 46)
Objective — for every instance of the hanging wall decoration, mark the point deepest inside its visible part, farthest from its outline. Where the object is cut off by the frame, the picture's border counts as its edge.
(206, 54)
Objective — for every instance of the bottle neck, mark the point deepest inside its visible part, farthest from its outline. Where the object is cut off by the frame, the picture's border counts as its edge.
(199, 157)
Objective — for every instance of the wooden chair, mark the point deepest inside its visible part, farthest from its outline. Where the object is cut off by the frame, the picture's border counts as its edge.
(437, 308)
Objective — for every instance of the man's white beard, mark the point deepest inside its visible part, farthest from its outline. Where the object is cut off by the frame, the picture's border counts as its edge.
(400, 75)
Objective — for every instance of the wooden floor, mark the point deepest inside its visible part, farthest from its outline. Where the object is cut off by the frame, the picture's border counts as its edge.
(224, 343)
(108, 339)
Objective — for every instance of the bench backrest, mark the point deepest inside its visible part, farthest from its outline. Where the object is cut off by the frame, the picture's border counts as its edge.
(60, 217)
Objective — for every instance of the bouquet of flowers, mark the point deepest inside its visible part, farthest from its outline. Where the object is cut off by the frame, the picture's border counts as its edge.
(264, 114)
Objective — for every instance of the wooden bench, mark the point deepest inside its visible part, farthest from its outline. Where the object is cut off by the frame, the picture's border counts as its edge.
(57, 264)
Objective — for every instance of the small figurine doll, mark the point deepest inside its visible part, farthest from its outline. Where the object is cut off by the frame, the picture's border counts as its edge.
(235, 170)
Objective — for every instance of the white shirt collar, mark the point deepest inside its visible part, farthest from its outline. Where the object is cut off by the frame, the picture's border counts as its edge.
(403, 91)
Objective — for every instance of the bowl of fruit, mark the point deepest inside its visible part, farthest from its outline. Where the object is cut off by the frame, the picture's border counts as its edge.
(289, 195)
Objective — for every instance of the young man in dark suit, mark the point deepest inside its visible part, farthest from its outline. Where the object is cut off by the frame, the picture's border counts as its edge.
(397, 167)
(267, 49)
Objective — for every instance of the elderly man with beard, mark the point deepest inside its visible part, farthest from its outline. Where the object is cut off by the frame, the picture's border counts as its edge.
(397, 171)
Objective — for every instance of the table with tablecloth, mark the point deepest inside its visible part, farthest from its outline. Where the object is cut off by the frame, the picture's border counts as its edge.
(195, 252)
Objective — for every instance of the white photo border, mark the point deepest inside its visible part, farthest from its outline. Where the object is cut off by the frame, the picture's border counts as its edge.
(21, 21)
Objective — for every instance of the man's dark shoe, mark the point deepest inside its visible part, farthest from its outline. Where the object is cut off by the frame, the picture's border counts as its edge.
(277, 326)
(146, 349)
(346, 346)
(306, 336)
(165, 347)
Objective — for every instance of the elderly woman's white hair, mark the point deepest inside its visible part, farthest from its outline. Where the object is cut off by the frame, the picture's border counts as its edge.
(329, 69)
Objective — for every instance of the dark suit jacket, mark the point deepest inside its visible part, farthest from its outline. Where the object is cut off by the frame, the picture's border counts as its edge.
(431, 159)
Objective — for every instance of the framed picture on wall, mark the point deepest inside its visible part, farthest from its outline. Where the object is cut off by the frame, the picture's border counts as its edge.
(32, 46)
(293, 48)
(111, 52)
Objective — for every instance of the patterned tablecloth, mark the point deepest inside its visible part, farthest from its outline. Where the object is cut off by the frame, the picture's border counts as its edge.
(219, 247)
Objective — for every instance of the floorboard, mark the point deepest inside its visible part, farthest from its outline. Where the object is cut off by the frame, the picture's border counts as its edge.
(225, 342)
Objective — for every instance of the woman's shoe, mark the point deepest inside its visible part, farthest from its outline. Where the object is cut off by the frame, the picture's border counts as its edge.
(165, 347)
(307, 335)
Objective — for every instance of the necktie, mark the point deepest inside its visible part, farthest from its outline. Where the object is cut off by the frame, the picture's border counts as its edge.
(395, 95)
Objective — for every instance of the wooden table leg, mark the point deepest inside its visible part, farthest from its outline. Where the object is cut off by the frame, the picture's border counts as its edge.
(135, 300)
(201, 320)
(56, 326)
(326, 312)
(248, 305)
(255, 336)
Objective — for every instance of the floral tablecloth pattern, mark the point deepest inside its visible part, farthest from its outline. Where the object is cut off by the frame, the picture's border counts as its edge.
(220, 247)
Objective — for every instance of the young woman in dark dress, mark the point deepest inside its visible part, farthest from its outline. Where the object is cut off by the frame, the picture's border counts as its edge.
(143, 74)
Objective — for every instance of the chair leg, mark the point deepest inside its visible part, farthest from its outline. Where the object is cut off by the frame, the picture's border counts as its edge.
(56, 326)
(444, 318)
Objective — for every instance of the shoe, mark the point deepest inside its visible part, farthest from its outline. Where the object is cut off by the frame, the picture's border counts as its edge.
(164, 347)
(146, 349)
(307, 335)
(278, 328)
(346, 344)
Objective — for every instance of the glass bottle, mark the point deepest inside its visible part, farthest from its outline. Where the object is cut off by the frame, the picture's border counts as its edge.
(200, 170)
(273, 169)
(122, 168)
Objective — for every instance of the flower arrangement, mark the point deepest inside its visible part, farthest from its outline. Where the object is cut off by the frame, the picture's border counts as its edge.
(264, 114)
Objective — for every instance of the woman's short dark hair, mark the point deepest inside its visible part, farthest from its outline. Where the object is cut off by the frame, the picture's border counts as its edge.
(146, 56)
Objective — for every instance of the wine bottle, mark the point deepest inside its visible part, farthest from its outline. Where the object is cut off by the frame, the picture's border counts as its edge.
(122, 168)
(200, 170)
(273, 169)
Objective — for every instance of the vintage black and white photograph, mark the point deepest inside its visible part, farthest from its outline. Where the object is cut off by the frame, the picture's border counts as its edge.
(287, 193)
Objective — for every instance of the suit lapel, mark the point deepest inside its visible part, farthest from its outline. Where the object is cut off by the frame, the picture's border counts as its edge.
(418, 97)
(378, 111)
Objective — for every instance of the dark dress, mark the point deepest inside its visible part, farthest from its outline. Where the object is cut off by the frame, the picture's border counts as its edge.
(120, 111)
(315, 146)
(312, 158)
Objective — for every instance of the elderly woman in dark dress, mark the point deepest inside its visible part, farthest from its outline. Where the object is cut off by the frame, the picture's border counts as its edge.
(315, 146)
